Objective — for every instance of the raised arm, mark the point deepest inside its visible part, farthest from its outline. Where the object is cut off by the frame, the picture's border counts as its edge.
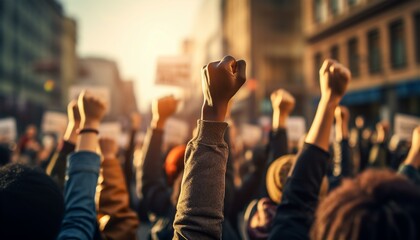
(200, 205)
(116, 219)
(56, 169)
(151, 183)
(411, 166)
(129, 152)
(342, 158)
(80, 215)
(300, 197)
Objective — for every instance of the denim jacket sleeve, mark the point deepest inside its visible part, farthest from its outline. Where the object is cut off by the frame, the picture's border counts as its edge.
(80, 214)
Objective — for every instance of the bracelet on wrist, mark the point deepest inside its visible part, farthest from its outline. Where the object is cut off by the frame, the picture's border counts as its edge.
(87, 130)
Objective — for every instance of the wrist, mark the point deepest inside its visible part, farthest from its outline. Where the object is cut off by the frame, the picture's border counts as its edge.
(158, 123)
(213, 113)
(93, 124)
(329, 102)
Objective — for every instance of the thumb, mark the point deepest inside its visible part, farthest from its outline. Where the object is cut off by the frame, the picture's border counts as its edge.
(241, 71)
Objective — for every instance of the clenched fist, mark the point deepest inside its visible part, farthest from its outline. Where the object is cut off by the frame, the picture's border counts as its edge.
(220, 82)
(109, 148)
(91, 109)
(162, 109)
(282, 101)
(334, 79)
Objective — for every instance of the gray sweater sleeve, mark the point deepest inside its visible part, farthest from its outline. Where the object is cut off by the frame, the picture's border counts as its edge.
(200, 205)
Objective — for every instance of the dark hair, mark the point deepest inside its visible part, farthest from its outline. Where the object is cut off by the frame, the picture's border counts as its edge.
(31, 205)
(378, 204)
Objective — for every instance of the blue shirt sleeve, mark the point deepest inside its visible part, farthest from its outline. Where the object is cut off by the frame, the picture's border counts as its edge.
(80, 214)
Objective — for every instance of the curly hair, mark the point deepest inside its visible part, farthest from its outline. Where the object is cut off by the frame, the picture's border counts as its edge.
(378, 204)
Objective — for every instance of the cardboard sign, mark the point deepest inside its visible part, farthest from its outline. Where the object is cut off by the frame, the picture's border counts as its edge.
(404, 126)
(296, 128)
(174, 71)
(102, 92)
(111, 130)
(176, 131)
(54, 122)
(251, 134)
(8, 132)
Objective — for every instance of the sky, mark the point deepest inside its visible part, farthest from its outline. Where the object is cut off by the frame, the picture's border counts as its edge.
(133, 33)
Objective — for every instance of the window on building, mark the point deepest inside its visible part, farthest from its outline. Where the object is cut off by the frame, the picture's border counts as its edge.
(334, 52)
(318, 15)
(397, 39)
(353, 54)
(334, 7)
(352, 2)
(317, 66)
(374, 51)
(417, 35)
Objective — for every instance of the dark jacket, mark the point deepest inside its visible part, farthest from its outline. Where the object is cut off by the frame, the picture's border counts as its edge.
(296, 211)
(159, 198)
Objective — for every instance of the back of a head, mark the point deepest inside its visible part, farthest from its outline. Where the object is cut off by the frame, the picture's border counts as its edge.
(31, 205)
(378, 204)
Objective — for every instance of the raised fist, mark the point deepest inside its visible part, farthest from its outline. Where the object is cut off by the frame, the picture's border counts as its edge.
(91, 109)
(334, 79)
(109, 147)
(164, 107)
(73, 113)
(282, 101)
(221, 80)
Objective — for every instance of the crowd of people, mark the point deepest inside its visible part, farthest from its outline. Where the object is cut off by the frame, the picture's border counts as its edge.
(360, 185)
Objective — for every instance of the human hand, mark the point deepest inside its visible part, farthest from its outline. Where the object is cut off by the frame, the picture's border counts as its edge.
(73, 113)
(282, 101)
(220, 82)
(283, 104)
(334, 79)
(91, 109)
(109, 147)
(162, 109)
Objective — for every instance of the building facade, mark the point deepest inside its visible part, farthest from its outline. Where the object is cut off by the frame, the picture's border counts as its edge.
(103, 74)
(268, 35)
(379, 40)
(30, 40)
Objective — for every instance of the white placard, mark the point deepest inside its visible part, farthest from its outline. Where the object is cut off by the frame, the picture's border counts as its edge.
(251, 134)
(102, 92)
(111, 130)
(176, 131)
(54, 122)
(404, 126)
(174, 71)
(8, 130)
(296, 128)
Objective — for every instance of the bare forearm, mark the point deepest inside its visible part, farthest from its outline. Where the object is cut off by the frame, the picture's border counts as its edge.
(88, 141)
(319, 132)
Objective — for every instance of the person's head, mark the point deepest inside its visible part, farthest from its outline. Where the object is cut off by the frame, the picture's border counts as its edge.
(378, 204)
(259, 217)
(31, 131)
(31, 205)
(360, 122)
(277, 175)
(174, 163)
